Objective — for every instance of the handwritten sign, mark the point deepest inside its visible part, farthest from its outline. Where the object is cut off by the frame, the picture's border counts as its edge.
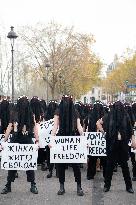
(68, 149)
(2, 136)
(96, 143)
(19, 156)
(44, 132)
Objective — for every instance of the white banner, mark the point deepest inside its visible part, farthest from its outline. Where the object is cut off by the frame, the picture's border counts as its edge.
(96, 143)
(68, 149)
(19, 156)
(44, 132)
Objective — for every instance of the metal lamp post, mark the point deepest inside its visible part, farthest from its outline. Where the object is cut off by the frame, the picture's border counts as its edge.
(47, 66)
(12, 36)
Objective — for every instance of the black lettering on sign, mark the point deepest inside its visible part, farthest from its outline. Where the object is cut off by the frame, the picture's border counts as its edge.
(4, 164)
(17, 157)
(91, 136)
(31, 148)
(29, 157)
(11, 157)
(103, 143)
(11, 148)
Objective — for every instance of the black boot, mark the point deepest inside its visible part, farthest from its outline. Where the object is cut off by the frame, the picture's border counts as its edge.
(16, 175)
(7, 188)
(62, 190)
(49, 175)
(44, 167)
(79, 190)
(33, 188)
(130, 190)
(133, 178)
(106, 189)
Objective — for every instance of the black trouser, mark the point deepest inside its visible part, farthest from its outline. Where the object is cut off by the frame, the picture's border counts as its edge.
(91, 168)
(118, 153)
(12, 173)
(41, 156)
(50, 165)
(132, 156)
(76, 169)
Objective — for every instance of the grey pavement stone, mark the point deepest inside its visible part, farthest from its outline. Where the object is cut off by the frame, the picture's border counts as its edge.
(48, 188)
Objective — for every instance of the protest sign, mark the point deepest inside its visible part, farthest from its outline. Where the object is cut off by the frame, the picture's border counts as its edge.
(2, 138)
(96, 143)
(19, 156)
(132, 149)
(44, 132)
(68, 149)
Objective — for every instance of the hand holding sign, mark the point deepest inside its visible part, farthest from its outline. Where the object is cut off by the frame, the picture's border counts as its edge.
(133, 144)
(0, 147)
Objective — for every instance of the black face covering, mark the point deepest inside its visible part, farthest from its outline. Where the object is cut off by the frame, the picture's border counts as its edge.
(119, 112)
(67, 116)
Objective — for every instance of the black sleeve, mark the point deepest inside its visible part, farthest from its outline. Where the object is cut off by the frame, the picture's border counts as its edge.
(57, 112)
(77, 114)
(130, 130)
(105, 120)
(86, 122)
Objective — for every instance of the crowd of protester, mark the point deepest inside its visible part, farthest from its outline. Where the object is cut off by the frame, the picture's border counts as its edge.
(117, 120)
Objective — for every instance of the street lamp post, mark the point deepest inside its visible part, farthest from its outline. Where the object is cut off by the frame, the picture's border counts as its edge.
(47, 66)
(12, 36)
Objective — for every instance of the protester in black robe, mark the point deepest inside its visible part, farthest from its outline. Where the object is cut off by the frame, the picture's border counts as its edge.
(38, 112)
(96, 113)
(23, 126)
(119, 131)
(128, 109)
(52, 106)
(67, 120)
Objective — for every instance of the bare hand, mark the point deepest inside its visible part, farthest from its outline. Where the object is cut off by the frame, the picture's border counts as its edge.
(49, 146)
(133, 145)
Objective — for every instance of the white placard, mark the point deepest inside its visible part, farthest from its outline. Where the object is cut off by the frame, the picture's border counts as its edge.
(96, 143)
(2, 136)
(19, 156)
(133, 150)
(68, 149)
(44, 132)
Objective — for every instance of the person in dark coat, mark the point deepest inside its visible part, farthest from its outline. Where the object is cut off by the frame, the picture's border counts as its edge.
(53, 105)
(23, 126)
(67, 120)
(96, 113)
(119, 131)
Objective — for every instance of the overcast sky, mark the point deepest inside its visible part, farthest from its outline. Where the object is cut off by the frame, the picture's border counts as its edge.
(113, 22)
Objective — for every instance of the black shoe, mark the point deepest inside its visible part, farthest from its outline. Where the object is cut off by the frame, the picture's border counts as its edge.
(130, 190)
(33, 189)
(6, 190)
(44, 167)
(16, 175)
(115, 169)
(79, 190)
(62, 190)
(49, 175)
(106, 189)
(90, 177)
(57, 174)
(133, 178)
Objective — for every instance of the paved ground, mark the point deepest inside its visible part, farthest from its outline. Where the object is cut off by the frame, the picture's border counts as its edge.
(48, 188)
